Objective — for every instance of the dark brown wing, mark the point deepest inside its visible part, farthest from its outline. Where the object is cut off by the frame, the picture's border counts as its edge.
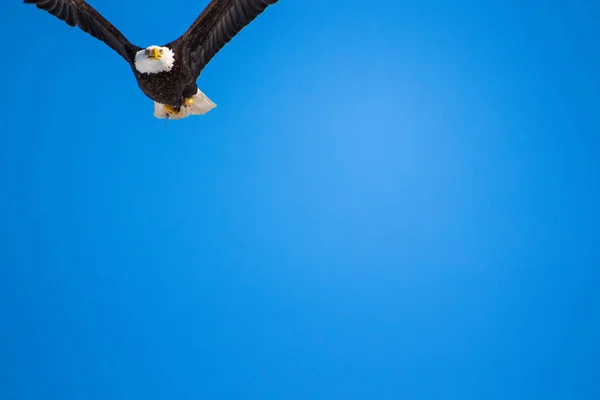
(220, 21)
(80, 13)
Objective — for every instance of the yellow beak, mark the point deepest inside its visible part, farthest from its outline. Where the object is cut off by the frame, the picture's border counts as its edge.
(155, 54)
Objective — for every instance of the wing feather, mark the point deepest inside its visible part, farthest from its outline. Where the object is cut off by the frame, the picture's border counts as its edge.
(80, 13)
(220, 21)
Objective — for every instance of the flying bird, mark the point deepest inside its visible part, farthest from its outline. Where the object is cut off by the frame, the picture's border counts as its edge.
(167, 74)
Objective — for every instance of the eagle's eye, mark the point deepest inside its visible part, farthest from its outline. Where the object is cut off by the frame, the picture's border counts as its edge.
(147, 52)
(160, 51)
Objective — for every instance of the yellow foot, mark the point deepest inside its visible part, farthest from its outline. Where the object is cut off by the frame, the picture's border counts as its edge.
(188, 102)
(170, 110)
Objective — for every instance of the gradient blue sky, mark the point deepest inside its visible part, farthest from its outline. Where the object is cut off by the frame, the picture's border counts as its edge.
(392, 200)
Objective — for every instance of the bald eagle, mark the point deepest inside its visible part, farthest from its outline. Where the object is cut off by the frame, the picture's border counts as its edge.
(167, 74)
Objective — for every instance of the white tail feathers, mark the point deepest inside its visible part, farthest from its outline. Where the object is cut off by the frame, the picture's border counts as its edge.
(200, 106)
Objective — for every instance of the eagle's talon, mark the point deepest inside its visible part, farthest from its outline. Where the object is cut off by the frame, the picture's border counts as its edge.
(170, 110)
(188, 102)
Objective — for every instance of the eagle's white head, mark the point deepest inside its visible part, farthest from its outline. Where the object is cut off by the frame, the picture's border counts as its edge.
(154, 59)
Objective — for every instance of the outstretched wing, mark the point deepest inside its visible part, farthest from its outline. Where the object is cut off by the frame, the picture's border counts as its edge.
(80, 13)
(220, 21)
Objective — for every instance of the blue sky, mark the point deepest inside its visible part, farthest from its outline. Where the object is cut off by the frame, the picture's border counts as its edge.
(391, 200)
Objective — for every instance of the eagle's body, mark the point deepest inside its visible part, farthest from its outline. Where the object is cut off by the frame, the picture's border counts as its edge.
(170, 86)
(167, 74)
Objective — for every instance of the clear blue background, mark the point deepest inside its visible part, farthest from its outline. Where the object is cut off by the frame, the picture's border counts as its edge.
(392, 200)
